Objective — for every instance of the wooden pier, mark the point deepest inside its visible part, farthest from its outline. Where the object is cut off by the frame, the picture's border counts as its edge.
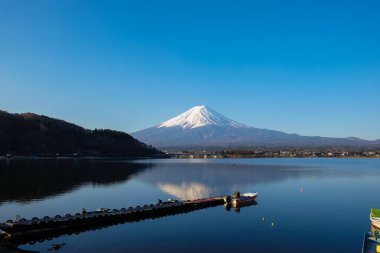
(40, 229)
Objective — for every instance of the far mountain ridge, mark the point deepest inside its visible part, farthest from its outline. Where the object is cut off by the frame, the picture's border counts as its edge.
(202, 127)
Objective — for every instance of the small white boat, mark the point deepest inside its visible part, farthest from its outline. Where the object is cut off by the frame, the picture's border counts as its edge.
(243, 199)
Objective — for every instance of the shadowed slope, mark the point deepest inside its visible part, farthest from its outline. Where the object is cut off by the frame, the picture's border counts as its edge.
(28, 133)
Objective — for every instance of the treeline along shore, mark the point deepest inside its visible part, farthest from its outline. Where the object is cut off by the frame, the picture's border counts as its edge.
(29, 134)
(274, 153)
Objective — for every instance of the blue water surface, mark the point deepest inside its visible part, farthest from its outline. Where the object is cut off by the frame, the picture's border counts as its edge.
(304, 205)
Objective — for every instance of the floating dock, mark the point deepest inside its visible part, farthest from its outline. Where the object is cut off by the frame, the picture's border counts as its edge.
(39, 229)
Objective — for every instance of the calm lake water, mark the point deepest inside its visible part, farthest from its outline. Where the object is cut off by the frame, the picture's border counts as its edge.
(330, 214)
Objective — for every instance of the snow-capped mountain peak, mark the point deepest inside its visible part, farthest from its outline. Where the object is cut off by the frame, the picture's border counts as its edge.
(200, 116)
(201, 127)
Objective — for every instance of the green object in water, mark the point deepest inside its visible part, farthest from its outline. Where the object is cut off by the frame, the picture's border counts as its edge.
(375, 213)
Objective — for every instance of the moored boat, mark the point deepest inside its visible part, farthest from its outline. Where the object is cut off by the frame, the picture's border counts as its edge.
(243, 199)
(370, 244)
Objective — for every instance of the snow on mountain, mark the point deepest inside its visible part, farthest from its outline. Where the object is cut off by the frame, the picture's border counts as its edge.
(202, 127)
(199, 116)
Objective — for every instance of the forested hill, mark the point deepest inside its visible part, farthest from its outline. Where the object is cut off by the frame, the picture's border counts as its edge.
(31, 134)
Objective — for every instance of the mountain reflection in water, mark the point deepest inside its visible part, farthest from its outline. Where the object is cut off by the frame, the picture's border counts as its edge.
(201, 180)
(27, 180)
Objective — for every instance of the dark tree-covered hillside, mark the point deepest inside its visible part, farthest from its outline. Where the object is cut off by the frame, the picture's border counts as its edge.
(31, 134)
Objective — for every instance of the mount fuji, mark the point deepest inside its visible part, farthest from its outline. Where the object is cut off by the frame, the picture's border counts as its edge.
(202, 127)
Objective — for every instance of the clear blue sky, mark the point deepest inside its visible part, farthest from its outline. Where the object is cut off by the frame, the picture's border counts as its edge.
(307, 67)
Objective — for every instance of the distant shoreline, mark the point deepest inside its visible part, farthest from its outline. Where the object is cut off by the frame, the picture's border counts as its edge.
(4, 158)
(272, 153)
(276, 157)
(82, 157)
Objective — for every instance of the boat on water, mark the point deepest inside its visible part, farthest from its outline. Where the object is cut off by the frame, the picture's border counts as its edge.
(243, 199)
(371, 243)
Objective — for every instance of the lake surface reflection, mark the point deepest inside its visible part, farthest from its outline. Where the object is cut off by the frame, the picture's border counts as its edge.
(315, 205)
